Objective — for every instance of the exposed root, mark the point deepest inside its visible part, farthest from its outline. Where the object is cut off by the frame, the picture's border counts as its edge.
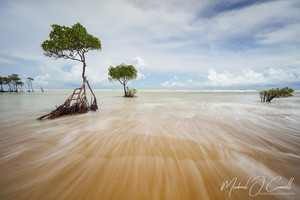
(76, 103)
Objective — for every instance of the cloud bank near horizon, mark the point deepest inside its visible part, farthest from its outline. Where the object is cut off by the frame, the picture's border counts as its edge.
(203, 43)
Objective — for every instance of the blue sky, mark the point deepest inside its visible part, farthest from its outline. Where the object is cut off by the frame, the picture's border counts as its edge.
(174, 44)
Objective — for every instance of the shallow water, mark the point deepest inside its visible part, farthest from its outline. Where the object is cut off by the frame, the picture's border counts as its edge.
(160, 145)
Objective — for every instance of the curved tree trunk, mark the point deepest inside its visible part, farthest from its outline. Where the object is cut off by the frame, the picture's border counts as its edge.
(125, 92)
(84, 66)
(76, 103)
(269, 99)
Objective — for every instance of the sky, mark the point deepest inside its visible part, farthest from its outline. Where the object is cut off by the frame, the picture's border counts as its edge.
(174, 44)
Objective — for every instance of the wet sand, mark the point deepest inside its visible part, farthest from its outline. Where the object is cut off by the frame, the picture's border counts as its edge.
(160, 145)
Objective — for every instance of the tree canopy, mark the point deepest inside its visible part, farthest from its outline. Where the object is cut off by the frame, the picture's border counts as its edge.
(268, 95)
(70, 43)
(122, 73)
(13, 81)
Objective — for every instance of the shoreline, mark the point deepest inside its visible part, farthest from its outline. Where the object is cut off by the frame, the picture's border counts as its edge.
(154, 90)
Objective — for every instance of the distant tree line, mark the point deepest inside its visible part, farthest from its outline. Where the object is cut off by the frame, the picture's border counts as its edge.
(15, 83)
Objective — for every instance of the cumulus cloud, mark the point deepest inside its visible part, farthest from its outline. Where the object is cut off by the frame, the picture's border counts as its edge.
(141, 66)
(65, 73)
(140, 76)
(188, 83)
(42, 80)
(55, 73)
(249, 77)
(139, 63)
(172, 83)
(246, 77)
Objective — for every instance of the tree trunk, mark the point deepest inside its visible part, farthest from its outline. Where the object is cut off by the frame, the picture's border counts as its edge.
(125, 92)
(77, 102)
(84, 66)
(31, 86)
(83, 70)
(269, 99)
(16, 88)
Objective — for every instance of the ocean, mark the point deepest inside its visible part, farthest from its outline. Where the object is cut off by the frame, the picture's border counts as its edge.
(163, 144)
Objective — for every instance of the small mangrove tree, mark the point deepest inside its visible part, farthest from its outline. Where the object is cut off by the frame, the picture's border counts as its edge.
(72, 43)
(29, 83)
(123, 73)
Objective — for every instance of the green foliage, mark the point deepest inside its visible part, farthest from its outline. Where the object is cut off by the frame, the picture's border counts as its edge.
(131, 92)
(70, 42)
(7, 81)
(13, 81)
(14, 77)
(122, 73)
(268, 95)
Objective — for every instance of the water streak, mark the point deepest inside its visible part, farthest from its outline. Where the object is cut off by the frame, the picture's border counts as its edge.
(160, 145)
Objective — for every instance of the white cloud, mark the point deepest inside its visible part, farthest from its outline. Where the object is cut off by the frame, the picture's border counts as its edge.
(139, 63)
(141, 66)
(55, 74)
(246, 77)
(140, 76)
(175, 83)
(60, 73)
(75, 74)
(42, 80)
(172, 84)
(249, 77)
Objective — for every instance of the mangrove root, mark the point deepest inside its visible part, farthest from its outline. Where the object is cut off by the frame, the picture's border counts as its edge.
(76, 103)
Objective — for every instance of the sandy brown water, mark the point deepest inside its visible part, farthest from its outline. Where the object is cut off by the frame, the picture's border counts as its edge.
(160, 145)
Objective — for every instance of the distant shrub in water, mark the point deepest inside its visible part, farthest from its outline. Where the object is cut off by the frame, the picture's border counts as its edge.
(122, 73)
(268, 95)
(131, 92)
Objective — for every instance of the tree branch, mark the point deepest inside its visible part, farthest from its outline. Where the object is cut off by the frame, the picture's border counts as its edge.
(120, 81)
(60, 54)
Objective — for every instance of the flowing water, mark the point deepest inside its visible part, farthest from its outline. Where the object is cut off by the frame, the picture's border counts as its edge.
(160, 145)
